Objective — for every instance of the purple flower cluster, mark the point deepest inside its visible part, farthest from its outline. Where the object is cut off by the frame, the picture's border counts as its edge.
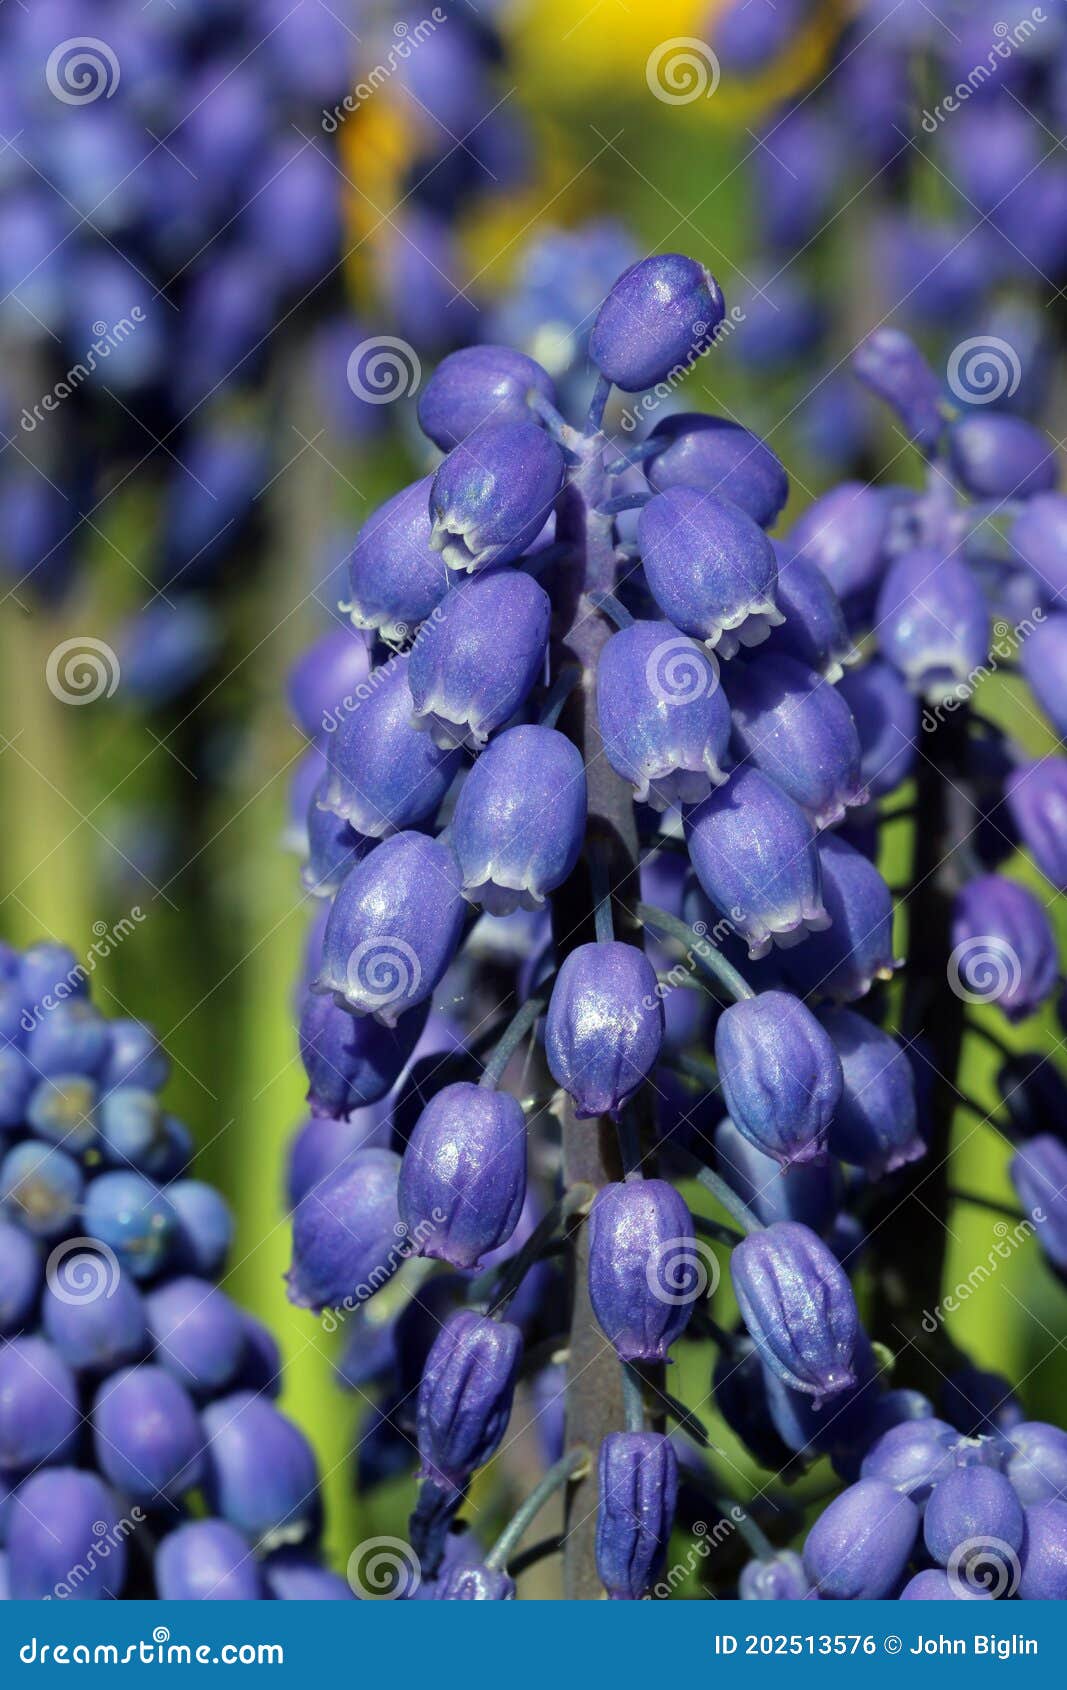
(141, 1450)
(935, 1516)
(165, 212)
(904, 98)
(607, 742)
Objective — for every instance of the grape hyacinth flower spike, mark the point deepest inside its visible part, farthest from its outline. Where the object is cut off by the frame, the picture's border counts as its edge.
(542, 751)
(116, 1318)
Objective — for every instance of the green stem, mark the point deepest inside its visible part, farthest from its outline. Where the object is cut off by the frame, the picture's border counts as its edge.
(715, 1229)
(558, 1475)
(731, 1202)
(990, 1203)
(521, 1023)
(709, 960)
(633, 1396)
(497, 1286)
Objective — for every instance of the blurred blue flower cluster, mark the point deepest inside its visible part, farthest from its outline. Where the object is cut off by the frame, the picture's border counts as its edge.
(141, 1451)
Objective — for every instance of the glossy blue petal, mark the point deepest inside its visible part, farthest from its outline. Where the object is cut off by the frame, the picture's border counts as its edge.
(519, 820)
(394, 927)
(798, 1307)
(638, 1490)
(710, 568)
(664, 718)
(604, 1026)
(780, 1076)
(754, 852)
(383, 774)
(662, 313)
(463, 1177)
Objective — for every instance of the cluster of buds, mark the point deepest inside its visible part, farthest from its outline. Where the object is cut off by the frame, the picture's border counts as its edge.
(141, 1450)
(629, 720)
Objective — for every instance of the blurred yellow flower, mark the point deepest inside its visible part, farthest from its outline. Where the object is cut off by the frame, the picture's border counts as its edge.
(605, 58)
(567, 48)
